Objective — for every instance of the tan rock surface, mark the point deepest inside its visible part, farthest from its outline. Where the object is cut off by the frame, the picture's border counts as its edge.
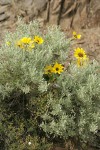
(67, 13)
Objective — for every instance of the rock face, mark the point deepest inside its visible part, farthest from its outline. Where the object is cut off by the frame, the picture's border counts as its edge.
(67, 13)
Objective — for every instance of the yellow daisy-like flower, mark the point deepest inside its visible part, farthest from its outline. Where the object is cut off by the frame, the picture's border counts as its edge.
(81, 62)
(20, 44)
(38, 40)
(58, 68)
(80, 53)
(26, 40)
(76, 36)
(81, 56)
(31, 44)
(48, 69)
(26, 43)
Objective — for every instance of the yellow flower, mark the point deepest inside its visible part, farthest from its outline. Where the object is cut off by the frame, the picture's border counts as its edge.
(20, 44)
(31, 44)
(26, 40)
(38, 40)
(58, 68)
(76, 36)
(81, 56)
(80, 53)
(26, 43)
(8, 43)
(48, 69)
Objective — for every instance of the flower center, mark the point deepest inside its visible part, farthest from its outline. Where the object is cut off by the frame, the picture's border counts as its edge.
(38, 41)
(80, 54)
(75, 36)
(49, 71)
(57, 69)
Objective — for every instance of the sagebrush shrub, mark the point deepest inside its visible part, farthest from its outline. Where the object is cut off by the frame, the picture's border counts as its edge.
(41, 93)
(23, 68)
(24, 56)
(73, 108)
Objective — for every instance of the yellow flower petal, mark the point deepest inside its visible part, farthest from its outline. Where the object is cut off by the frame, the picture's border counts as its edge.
(81, 56)
(74, 33)
(58, 68)
(80, 53)
(26, 40)
(31, 44)
(38, 40)
(48, 69)
(76, 36)
(19, 44)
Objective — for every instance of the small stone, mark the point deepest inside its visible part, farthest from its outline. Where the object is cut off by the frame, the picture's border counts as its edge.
(29, 143)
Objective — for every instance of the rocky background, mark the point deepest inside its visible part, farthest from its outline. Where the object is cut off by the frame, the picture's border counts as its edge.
(67, 13)
(78, 15)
